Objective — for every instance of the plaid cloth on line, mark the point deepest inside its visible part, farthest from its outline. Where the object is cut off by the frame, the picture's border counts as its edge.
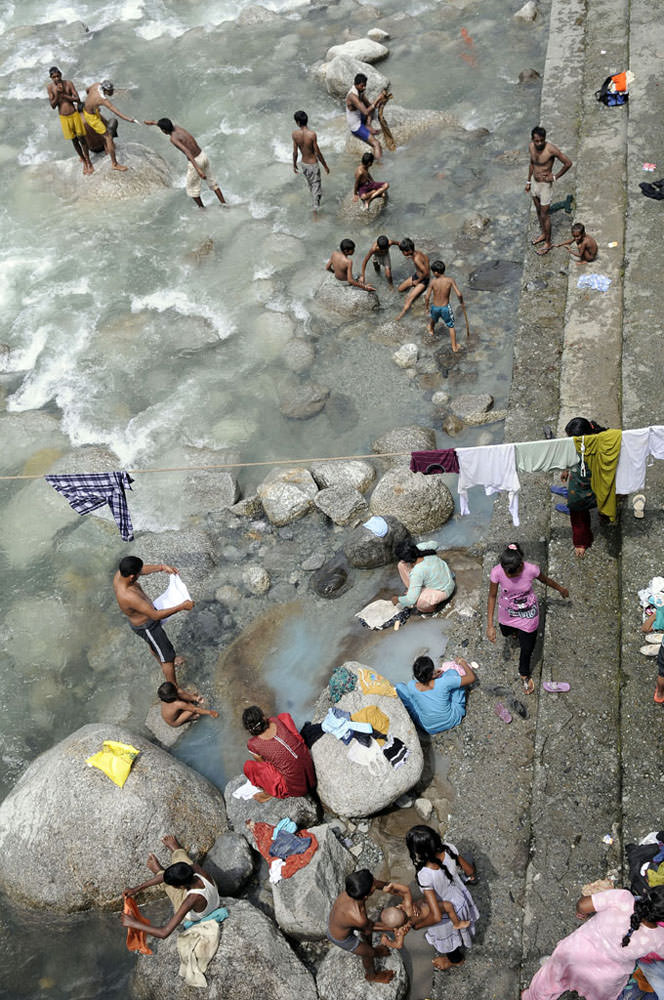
(87, 491)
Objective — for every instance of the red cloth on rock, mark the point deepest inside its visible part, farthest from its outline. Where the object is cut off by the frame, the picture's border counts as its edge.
(263, 837)
(287, 768)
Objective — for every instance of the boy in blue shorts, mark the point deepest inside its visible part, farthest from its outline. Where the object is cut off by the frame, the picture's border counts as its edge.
(441, 287)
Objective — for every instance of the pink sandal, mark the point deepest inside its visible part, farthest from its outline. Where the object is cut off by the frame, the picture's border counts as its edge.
(502, 712)
(555, 687)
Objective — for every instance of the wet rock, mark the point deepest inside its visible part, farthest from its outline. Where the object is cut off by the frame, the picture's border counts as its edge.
(203, 626)
(167, 736)
(253, 960)
(338, 74)
(378, 34)
(230, 863)
(406, 356)
(256, 14)
(348, 789)
(528, 76)
(314, 561)
(356, 474)
(440, 399)
(452, 425)
(301, 809)
(247, 507)
(341, 504)
(404, 440)
(365, 49)
(406, 123)
(303, 901)
(345, 299)
(301, 401)
(361, 212)
(475, 224)
(423, 806)
(287, 494)
(341, 978)
(526, 13)
(228, 594)
(421, 503)
(148, 172)
(333, 578)
(298, 355)
(256, 580)
(366, 551)
(497, 274)
(472, 408)
(86, 839)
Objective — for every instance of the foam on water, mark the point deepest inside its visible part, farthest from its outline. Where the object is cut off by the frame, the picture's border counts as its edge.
(171, 298)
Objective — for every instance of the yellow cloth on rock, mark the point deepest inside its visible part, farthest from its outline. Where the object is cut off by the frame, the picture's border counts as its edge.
(197, 946)
(601, 453)
(373, 715)
(373, 683)
(115, 760)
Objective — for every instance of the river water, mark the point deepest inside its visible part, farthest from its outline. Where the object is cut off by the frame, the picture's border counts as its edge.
(140, 332)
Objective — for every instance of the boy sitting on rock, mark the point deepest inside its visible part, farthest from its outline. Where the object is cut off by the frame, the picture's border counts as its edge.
(176, 709)
(341, 265)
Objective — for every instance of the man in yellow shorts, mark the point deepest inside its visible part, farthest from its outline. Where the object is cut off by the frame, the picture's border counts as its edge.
(63, 96)
(97, 97)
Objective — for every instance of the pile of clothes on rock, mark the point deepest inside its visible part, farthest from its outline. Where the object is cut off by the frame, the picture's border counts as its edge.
(651, 599)
(646, 869)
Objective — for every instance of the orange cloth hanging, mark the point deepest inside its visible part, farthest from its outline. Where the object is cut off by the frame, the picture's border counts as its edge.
(136, 940)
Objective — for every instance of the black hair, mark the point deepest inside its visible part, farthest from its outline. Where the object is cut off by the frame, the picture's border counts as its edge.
(438, 267)
(54, 69)
(347, 246)
(367, 159)
(578, 227)
(424, 845)
(167, 692)
(301, 118)
(383, 243)
(423, 669)
(407, 551)
(254, 721)
(538, 130)
(650, 907)
(166, 125)
(130, 566)
(407, 244)
(511, 558)
(578, 426)
(179, 875)
(360, 78)
(359, 884)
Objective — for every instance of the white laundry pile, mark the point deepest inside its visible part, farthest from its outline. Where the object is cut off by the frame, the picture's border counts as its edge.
(176, 593)
(246, 791)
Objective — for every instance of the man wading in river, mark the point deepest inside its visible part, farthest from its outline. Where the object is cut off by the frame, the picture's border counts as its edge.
(539, 185)
(306, 143)
(199, 166)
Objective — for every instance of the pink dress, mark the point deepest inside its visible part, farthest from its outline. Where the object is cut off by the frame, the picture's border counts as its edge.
(517, 601)
(592, 960)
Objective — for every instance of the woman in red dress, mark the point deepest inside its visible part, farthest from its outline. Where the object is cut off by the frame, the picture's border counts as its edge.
(282, 764)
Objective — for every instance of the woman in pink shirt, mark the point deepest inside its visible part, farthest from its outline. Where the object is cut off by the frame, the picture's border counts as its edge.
(518, 610)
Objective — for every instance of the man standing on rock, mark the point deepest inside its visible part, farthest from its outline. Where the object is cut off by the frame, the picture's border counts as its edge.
(358, 113)
(63, 96)
(306, 143)
(539, 185)
(98, 97)
(199, 166)
(349, 927)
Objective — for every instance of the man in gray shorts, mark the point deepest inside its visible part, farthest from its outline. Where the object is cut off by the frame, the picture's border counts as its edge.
(144, 618)
(348, 916)
(540, 181)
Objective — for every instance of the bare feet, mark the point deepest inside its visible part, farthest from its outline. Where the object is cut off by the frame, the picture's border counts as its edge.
(400, 316)
(538, 239)
(179, 661)
(385, 941)
(379, 977)
(430, 330)
(545, 249)
(153, 863)
(171, 843)
(528, 685)
(262, 796)
(118, 166)
(580, 551)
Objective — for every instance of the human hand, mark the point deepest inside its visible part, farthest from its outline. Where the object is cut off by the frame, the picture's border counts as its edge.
(215, 715)
(356, 197)
(371, 288)
(491, 633)
(395, 600)
(200, 173)
(130, 892)
(327, 170)
(168, 569)
(127, 921)
(187, 605)
(564, 592)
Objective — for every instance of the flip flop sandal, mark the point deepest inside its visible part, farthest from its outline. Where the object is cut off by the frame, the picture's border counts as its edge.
(639, 504)
(554, 687)
(518, 706)
(528, 685)
(658, 701)
(502, 712)
(655, 638)
(560, 491)
(649, 650)
(562, 508)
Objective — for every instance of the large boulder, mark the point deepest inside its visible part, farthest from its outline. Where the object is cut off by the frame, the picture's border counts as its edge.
(148, 172)
(342, 504)
(407, 123)
(230, 863)
(472, 407)
(421, 503)
(403, 440)
(287, 494)
(301, 400)
(302, 902)
(298, 354)
(338, 74)
(365, 49)
(345, 299)
(355, 474)
(361, 212)
(71, 839)
(253, 960)
(341, 977)
(350, 789)
(365, 550)
(301, 809)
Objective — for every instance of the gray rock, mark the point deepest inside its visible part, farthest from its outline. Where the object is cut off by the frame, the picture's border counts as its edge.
(357, 474)
(299, 401)
(338, 75)
(256, 579)
(349, 789)
(406, 356)
(366, 551)
(341, 977)
(475, 224)
(301, 809)
(345, 299)
(470, 407)
(528, 75)
(361, 212)
(148, 172)
(424, 808)
(452, 425)
(287, 494)
(303, 901)
(253, 960)
(230, 863)
(378, 34)
(497, 274)
(298, 355)
(248, 507)
(440, 399)
(421, 503)
(315, 561)
(333, 578)
(166, 735)
(527, 13)
(407, 123)
(404, 440)
(84, 837)
(228, 594)
(365, 49)
(256, 14)
(341, 504)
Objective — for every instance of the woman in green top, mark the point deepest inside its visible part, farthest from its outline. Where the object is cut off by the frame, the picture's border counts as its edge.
(427, 577)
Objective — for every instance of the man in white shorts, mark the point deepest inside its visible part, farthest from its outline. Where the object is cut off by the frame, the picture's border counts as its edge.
(543, 155)
(199, 166)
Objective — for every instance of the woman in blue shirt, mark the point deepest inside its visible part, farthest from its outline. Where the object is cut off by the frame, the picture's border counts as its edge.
(428, 577)
(436, 701)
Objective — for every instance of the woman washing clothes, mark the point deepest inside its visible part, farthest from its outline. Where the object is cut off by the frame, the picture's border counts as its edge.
(436, 698)
(518, 608)
(439, 867)
(428, 577)
(580, 496)
(282, 764)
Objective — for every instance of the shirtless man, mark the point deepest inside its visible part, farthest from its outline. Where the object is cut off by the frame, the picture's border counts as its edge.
(543, 155)
(98, 97)
(305, 142)
(341, 265)
(586, 247)
(380, 252)
(63, 96)
(359, 111)
(349, 915)
(176, 709)
(365, 187)
(199, 166)
(143, 617)
(441, 288)
(419, 282)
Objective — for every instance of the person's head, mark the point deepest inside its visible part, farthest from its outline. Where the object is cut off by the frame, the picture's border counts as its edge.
(407, 247)
(347, 248)
(383, 244)
(301, 118)
(423, 669)
(367, 159)
(359, 885)
(179, 875)
(579, 426)
(360, 82)
(538, 135)
(393, 916)
(408, 552)
(254, 721)
(438, 267)
(166, 126)
(130, 566)
(578, 230)
(650, 907)
(107, 87)
(55, 74)
(511, 559)
(167, 692)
